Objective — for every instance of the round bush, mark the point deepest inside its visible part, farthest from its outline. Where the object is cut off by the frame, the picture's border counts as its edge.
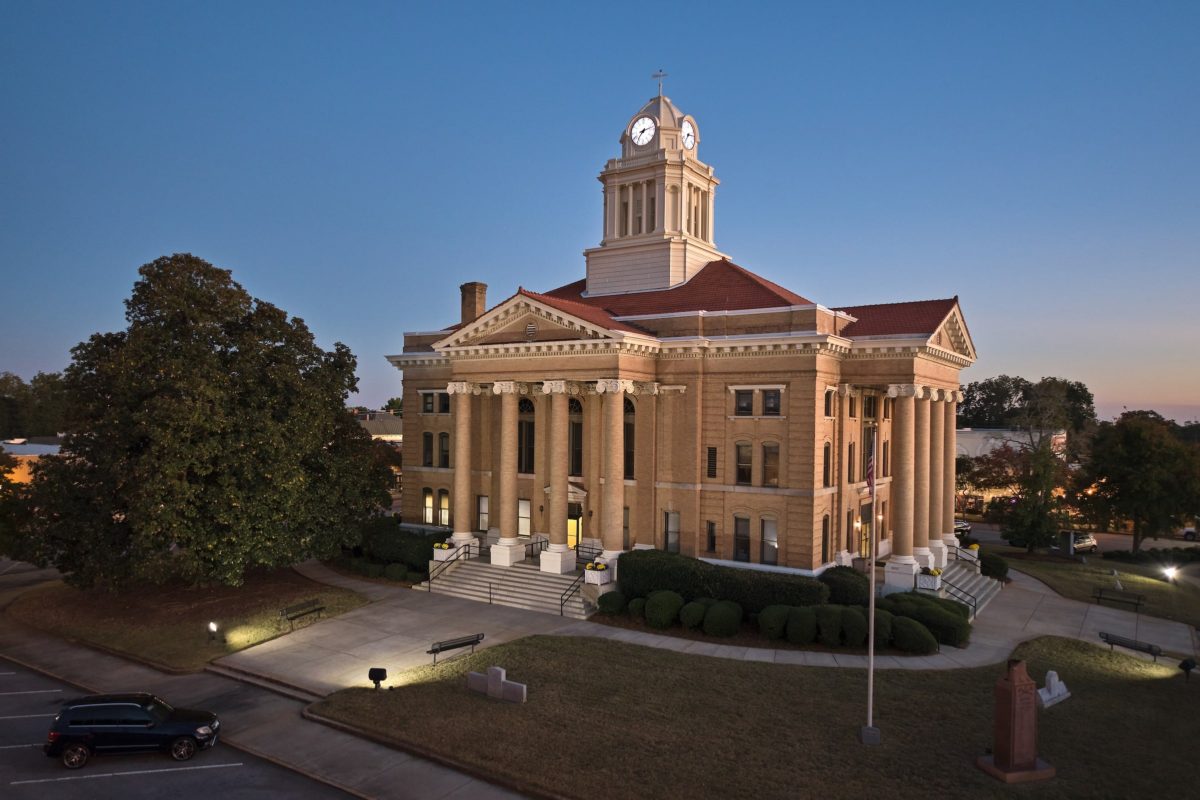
(773, 620)
(883, 626)
(395, 572)
(692, 614)
(854, 626)
(373, 570)
(662, 609)
(911, 636)
(723, 618)
(611, 602)
(829, 625)
(802, 625)
(707, 602)
(993, 566)
(357, 564)
(847, 586)
(637, 607)
(946, 626)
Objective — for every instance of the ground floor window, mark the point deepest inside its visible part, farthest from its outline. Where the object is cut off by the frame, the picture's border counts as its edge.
(770, 542)
(741, 538)
(483, 510)
(427, 506)
(711, 536)
(523, 518)
(443, 507)
(671, 531)
(625, 527)
(825, 543)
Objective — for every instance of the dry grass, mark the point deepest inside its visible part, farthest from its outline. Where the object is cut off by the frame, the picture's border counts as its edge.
(168, 624)
(622, 721)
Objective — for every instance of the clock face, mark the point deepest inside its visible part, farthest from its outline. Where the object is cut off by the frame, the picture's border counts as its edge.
(689, 134)
(642, 131)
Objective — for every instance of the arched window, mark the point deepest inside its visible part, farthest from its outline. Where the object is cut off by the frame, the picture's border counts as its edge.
(825, 541)
(770, 464)
(829, 402)
(427, 449)
(827, 465)
(427, 506)
(769, 545)
(443, 450)
(744, 454)
(575, 437)
(525, 435)
(629, 433)
(443, 507)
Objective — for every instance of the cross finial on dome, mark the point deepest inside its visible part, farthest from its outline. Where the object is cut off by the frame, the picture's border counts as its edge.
(658, 76)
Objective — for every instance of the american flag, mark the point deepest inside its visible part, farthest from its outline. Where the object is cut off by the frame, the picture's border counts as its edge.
(871, 469)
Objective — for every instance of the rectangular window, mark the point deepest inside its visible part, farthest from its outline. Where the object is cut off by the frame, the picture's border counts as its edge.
(770, 474)
(743, 403)
(883, 530)
(711, 536)
(525, 446)
(741, 539)
(625, 527)
(851, 534)
(575, 443)
(887, 462)
(427, 449)
(712, 462)
(869, 406)
(637, 208)
(427, 403)
(853, 406)
(829, 402)
(624, 214)
(444, 450)
(770, 543)
(771, 402)
(744, 454)
(443, 403)
(652, 202)
(887, 408)
(523, 517)
(671, 531)
(851, 465)
(482, 507)
(629, 459)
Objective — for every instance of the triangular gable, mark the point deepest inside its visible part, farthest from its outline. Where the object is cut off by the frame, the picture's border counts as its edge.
(953, 335)
(521, 318)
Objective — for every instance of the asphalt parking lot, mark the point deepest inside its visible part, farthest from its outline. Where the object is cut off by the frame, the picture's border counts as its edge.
(28, 702)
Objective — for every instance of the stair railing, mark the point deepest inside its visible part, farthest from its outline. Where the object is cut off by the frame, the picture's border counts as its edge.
(962, 553)
(955, 591)
(568, 593)
(459, 553)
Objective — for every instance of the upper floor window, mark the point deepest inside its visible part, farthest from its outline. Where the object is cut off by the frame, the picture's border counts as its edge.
(427, 401)
(744, 455)
(443, 450)
(525, 433)
(853, 407)
(869, 403)
(770, 467)
(829, 395)
(427, 449)
(629, 439)
(574, 437)
(712, 463)
(887, 460)
(851, 471)
(887, 407)
(743, 402)
(443, 403)
(771, 402)
(827, 465)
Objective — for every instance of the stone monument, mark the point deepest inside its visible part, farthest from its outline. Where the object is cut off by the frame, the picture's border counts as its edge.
(1014, 756)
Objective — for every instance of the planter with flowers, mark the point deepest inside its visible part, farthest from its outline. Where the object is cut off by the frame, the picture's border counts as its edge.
(597, 572)
(930, 578)
(443, 551)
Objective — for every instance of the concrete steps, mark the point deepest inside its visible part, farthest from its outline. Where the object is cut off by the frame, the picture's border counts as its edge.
(964, 576)
(518, 586)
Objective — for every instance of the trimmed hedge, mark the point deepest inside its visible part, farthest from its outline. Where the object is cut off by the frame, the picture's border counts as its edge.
(854, 626)
(847, 586)
(611, 603)
(723, 618)
(382, 540)
(829, 625)
(644, 571)
(662, 608)
(773, 621)
(911, 636)
(373, 570)
(802, 625)
(691, 616)
(395, 572)
(883, 626)
(992, 565)
(1176, 556)
(637, 607)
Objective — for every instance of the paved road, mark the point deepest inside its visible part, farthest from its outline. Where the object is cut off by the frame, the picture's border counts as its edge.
(28, 701)
(988, 533)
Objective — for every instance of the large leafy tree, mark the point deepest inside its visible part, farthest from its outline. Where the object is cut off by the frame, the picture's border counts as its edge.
(37, 408)
(208, 438)
(1139, 470)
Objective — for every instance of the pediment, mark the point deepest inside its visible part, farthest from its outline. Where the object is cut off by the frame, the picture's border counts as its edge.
(522, 319)
(953, 335)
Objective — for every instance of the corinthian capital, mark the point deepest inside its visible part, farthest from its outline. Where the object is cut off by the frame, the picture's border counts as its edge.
(461, 387)
(506, 387)
(554, 387)
(906, 390)
(613, 386)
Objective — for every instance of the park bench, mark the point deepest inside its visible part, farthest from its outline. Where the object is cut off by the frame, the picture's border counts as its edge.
(295, 612)
(1117, 596)
(454, 644)
(1133, 644)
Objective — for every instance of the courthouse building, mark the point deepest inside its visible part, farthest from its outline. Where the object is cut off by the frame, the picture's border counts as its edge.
(673, 399)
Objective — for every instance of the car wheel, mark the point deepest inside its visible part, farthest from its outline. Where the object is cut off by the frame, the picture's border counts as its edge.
(1191, 536)
(75, 756)
(183, 748)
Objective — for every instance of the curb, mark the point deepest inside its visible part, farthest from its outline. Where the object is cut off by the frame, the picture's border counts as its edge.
(464, 767)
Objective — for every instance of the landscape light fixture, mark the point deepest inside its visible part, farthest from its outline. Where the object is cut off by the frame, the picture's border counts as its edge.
(377, 675)
(212, 631)
(1170, 573)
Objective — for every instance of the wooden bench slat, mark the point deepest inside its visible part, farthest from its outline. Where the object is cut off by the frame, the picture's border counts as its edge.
(453, 644)
(1112, 639)
(294, 612)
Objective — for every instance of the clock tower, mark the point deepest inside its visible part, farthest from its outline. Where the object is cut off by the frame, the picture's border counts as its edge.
(658, 206)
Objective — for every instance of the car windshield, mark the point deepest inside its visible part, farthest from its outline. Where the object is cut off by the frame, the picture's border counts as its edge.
(158, 709)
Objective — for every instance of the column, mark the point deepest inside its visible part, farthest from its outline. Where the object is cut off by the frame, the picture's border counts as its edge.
(629, 210)
(645, 208)
(612, 502)
(557, 558)
(921, 550)
(937, 547)
(610, 217)
(464, 529)
(508, 550)
(901, 566)
(711, 219)
(949, 454)
(660, 211)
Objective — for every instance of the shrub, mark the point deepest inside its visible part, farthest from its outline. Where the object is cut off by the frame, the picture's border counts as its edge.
(847, 586)
(691, 616)
(883, 626)
(644, 571)
(395, 572)
(383, 540)
(911, 636)
(373, 570)
(938, 615)
(829, 625)
(993, 565)
(773, 620)
(723, 619)
(357, 564)
(662, 609)
(611, 602)
(854, 626)
(707, 602)
(802, 625)
(637, 607)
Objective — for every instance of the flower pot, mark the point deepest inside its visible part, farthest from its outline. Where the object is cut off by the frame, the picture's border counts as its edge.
(930, 582)
(441, 555)
(598, 576)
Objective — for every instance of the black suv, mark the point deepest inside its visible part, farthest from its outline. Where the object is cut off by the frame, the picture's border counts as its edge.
(127, 723)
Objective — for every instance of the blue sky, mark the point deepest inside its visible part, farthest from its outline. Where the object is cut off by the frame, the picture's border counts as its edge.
(354, 163)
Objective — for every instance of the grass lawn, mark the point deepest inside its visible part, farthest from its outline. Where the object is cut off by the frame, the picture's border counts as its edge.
(1175, 601)
(614, 720)
(168, 624)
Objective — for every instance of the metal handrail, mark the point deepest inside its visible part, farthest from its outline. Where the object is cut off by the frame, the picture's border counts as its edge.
(440, 568)
(962, 595)
(962, 553)
(568, 593)
(535, 546)
(586, 553)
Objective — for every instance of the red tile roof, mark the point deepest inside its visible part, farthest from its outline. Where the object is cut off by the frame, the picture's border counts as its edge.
(587, 313)
(894, 319)
(720, 286)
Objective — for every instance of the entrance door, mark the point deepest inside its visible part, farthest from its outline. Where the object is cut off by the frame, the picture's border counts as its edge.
(574, 524)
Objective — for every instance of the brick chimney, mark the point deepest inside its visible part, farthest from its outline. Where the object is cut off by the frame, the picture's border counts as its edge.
(474, 300)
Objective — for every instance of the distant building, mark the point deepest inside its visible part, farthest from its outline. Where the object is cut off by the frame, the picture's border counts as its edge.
(26, 455)
(975, 442)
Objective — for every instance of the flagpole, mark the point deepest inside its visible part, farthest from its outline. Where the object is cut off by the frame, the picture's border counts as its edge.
(869, 735)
